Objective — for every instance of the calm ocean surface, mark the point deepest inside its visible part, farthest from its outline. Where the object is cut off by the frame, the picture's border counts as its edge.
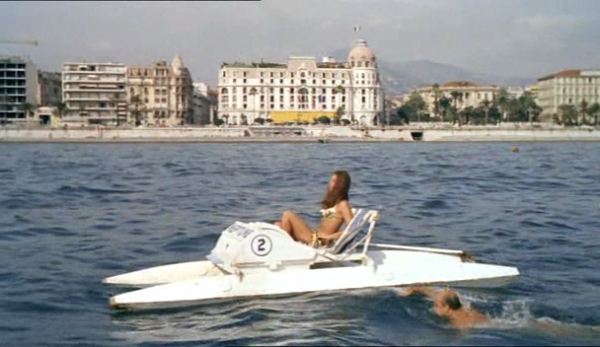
(72, 214)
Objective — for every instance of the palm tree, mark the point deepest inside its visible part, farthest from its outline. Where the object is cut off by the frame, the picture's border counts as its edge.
(437, 94)
(28, 108)
(583, 110)
(445, 105)
(568, 114)
(61, 107)
(486, 104)
(136, 102)
(503, 101)
(253, 92)
(594, 111)
(455, 96)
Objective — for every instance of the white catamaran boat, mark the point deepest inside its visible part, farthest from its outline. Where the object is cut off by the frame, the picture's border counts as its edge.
(260, 259)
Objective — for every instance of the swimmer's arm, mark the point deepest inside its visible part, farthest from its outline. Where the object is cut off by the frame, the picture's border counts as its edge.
(417, 290)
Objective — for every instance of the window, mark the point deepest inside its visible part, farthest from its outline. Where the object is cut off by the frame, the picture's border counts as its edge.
(324, 82)
(280, 81)
(303, 99)
(245, 106)
(234, 80)
(245, 74)
(271, 74)
(244, 81)
(314, 81)
(245, 98)
(281, 98)
(281, 106)
(262, 81)
(271, 98)
(244, 90)
(271, 81)
(281, 90)
(302, 74)
(323, 90)
(272, 106)
(303, 81)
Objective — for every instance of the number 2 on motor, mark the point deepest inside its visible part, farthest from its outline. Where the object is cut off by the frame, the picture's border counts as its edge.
(261, 245)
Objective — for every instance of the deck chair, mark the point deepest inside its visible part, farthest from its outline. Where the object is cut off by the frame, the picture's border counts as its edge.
(358, 222)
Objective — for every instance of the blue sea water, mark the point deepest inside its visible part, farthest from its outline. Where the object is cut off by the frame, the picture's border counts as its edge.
(72, 214)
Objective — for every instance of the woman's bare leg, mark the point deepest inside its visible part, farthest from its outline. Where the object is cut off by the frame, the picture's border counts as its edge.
(296, 227)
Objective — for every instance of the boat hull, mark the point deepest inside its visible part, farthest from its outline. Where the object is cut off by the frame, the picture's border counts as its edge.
(165, 274)
(383, 269)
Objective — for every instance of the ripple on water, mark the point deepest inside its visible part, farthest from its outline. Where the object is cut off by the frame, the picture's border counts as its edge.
(74, 214)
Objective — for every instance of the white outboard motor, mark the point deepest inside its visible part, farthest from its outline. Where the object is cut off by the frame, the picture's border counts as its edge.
(259, 246)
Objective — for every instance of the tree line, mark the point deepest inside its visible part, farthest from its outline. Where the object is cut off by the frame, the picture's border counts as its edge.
(502, 108)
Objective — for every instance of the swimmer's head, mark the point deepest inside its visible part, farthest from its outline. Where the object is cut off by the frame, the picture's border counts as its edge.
(445, 302)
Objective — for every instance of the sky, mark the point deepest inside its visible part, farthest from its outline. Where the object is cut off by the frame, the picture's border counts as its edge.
(520, 38)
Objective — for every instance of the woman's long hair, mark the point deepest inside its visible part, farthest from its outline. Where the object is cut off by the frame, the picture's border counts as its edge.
(339, 192)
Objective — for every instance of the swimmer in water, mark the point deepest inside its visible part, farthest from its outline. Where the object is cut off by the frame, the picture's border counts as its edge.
(446, 304)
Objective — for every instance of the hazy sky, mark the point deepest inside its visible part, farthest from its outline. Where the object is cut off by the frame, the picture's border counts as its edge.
(508, 37)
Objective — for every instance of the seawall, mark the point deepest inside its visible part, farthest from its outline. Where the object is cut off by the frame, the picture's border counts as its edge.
(307, 134)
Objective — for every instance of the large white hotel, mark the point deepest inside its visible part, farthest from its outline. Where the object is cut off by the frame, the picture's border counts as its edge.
(302, 90)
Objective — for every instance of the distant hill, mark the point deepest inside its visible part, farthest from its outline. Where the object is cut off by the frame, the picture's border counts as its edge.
(401, 77)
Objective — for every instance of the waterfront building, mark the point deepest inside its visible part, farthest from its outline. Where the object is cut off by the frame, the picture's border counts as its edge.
(160, 94)
(302, 90)
(94, 93)
(204, 102)
(18, 89)
(49, 90)
(463, 94)
(567, 87)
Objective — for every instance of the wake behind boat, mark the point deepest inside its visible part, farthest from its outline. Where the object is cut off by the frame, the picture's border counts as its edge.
(260, 259)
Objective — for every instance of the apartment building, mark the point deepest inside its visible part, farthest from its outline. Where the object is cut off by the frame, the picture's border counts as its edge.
(18, 87)
(159, 94)
(462, 93)
(567, 87)
(94, 93)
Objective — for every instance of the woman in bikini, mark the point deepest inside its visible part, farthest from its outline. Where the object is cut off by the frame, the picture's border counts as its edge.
(336, 210)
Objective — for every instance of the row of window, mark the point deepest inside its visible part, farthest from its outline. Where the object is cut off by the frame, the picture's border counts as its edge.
(251, 90)
(103, 78)
(582, 80)
(301, 106)
(281, 74)
(582, 90)
(281, 81)
(322, 98)
(11, 66)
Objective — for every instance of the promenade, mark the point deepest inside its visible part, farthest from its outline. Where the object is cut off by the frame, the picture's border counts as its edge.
(300, 134)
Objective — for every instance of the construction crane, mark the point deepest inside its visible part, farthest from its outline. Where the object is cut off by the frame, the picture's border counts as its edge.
(20, 42)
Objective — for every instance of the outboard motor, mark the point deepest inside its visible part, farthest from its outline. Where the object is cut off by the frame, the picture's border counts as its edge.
(259, 246)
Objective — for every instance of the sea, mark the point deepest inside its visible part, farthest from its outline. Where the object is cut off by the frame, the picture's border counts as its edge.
(73, 214)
